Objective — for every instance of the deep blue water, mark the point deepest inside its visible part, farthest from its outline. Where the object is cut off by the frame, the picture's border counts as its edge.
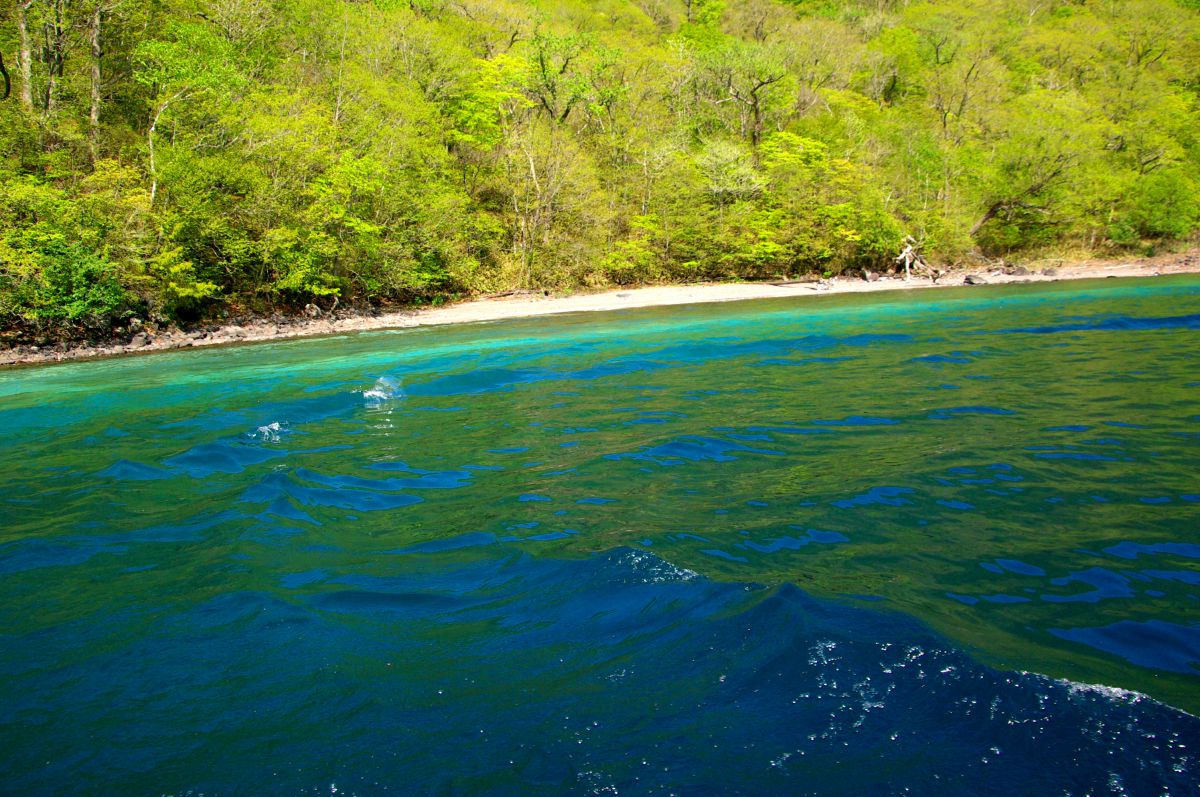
(848, 545)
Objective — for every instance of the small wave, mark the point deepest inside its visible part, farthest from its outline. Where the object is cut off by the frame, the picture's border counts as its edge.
(270, 433)
(1111, 693)
(222, 456)
(386, 388)
(1118, 323)
(653, 569)
(128, 470)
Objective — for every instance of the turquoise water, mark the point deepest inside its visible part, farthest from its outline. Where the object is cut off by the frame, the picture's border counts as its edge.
(842, 545)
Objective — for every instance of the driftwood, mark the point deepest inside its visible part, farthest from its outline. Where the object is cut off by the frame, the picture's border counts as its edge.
(515, 292)
(911, 258)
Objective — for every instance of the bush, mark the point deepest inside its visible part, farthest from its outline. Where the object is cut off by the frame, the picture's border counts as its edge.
(75, 287)
(1163, 205)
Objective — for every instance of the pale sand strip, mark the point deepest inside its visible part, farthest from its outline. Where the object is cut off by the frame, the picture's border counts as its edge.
(524, 306)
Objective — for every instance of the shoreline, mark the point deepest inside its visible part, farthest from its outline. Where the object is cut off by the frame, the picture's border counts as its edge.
(524, 306)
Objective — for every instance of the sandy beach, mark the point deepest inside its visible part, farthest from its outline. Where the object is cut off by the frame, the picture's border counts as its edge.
(525, 305)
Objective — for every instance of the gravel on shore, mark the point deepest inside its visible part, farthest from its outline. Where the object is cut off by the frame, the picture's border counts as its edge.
(153, 339)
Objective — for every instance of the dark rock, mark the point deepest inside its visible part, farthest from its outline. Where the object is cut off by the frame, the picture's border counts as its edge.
(870, 276)
(312, 311)
(974, 279)
(1050, 272)
(1018, 271)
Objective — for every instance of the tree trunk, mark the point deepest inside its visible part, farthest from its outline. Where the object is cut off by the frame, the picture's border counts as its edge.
(94, 110)
(987, 216)
(25, 58)
(756, 129)
(151, 162)
(55, 55)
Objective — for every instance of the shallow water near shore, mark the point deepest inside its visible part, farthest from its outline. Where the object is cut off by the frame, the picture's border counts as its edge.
(839, 545)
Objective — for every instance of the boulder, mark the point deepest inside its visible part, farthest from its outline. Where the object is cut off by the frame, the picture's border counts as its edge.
(974, 279)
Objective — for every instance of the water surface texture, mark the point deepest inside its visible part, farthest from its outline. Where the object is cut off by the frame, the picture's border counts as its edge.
(935, 543)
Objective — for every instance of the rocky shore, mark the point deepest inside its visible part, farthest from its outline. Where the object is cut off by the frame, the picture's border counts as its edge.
(144, 337)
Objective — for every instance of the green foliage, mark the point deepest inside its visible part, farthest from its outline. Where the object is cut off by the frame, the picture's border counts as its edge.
(1160, 205)
(729, 172)
(636, 258)
(265, 154)
(191, 54)
(485, 101)
(71, 285)
(77, 285)
(178, 288)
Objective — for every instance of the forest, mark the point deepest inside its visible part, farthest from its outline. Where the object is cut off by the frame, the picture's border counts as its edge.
(184, 160)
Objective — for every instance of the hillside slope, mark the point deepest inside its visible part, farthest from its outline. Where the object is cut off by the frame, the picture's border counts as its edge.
(188, 159)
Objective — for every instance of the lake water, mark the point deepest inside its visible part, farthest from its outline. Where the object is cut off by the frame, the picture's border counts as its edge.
(836, 546)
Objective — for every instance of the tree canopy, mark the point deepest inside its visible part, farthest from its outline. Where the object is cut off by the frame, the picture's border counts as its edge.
(187, 158)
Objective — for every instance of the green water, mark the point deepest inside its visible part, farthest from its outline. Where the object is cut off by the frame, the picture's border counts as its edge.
(1014, 468)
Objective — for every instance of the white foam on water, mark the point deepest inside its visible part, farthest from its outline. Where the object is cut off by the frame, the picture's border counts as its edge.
(1113, 694)
(386, 388)
(271, 432)
(656, 570)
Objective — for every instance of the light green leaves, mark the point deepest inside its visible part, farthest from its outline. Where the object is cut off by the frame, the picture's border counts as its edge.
(191, 59)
